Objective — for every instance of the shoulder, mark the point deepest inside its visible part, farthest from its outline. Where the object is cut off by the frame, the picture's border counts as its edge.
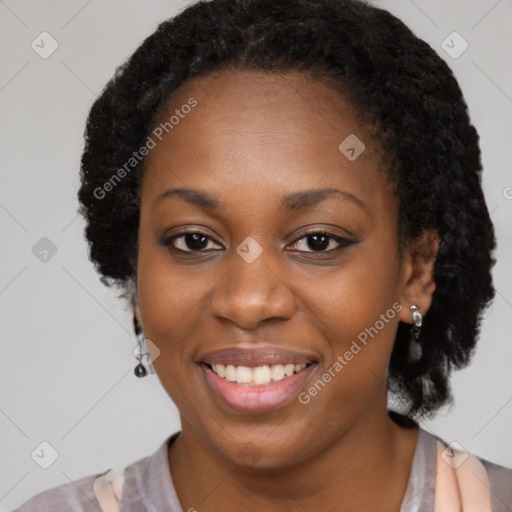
(77, 496)
(422, 483)
(499, 478)
(500, 482)
(81, 495)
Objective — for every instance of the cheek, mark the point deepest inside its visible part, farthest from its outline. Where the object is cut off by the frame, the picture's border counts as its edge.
(167, 298)
(169, 301)
(357, 313)
(355, 296)
(357, 309)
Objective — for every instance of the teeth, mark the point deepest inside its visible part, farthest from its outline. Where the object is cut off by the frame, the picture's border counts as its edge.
(277, 372)
(256, 376)
(288, 369)
(230, 372)
(243, 374)
(261, 375)
(220, 370)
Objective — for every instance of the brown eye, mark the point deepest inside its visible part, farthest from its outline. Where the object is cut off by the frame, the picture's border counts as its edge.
(319, 241)
(191, 241)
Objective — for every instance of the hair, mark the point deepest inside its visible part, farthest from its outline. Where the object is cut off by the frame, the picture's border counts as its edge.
(408, 95)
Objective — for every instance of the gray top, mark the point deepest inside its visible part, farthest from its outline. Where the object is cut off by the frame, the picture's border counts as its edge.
(148, 486)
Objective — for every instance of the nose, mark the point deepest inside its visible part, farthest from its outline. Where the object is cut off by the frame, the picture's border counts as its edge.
(250, 294)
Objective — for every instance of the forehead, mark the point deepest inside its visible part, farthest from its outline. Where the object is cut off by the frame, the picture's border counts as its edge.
(263, 133)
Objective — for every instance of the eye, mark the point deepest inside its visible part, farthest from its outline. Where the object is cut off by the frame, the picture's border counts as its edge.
(195, 241)
(320, 241)
(316, 241)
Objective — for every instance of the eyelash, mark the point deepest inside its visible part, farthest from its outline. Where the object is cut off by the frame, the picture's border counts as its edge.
(342, 241)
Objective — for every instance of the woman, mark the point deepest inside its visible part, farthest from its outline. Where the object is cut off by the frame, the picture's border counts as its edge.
(289, 195)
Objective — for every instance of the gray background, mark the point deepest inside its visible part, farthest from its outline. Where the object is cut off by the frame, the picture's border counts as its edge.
(66, 342)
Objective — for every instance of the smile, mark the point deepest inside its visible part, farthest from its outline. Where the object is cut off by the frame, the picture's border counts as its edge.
(260, 375)
(255, 390)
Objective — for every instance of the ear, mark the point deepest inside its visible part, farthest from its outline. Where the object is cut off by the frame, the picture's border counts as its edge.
(417, 283)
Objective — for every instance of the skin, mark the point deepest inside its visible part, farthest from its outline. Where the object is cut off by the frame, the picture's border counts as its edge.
(252, 139)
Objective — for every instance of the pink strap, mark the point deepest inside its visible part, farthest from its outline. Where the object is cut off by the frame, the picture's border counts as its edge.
(108, 489)
(462, 484)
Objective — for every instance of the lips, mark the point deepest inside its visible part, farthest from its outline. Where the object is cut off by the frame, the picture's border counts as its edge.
(255, 380)
(261, 356)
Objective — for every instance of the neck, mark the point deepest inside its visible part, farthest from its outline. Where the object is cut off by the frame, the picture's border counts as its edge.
(366, 468)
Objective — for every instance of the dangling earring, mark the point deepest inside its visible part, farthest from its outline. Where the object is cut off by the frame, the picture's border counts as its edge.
(142, 351)
(415, 350)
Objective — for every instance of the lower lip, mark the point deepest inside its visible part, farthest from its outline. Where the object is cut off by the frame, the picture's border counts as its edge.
(256, 398)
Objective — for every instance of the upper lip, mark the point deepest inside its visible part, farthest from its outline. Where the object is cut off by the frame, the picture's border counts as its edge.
(253, 357)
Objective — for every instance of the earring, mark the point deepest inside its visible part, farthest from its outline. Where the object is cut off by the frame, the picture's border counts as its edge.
(415, 350)
(142, 351)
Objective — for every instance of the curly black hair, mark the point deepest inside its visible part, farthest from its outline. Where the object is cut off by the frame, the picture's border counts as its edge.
(399, 86)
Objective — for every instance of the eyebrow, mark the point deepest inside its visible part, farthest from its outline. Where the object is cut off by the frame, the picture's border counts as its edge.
(300, 200)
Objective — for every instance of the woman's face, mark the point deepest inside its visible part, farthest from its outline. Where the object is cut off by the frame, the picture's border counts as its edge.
(282, 275)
